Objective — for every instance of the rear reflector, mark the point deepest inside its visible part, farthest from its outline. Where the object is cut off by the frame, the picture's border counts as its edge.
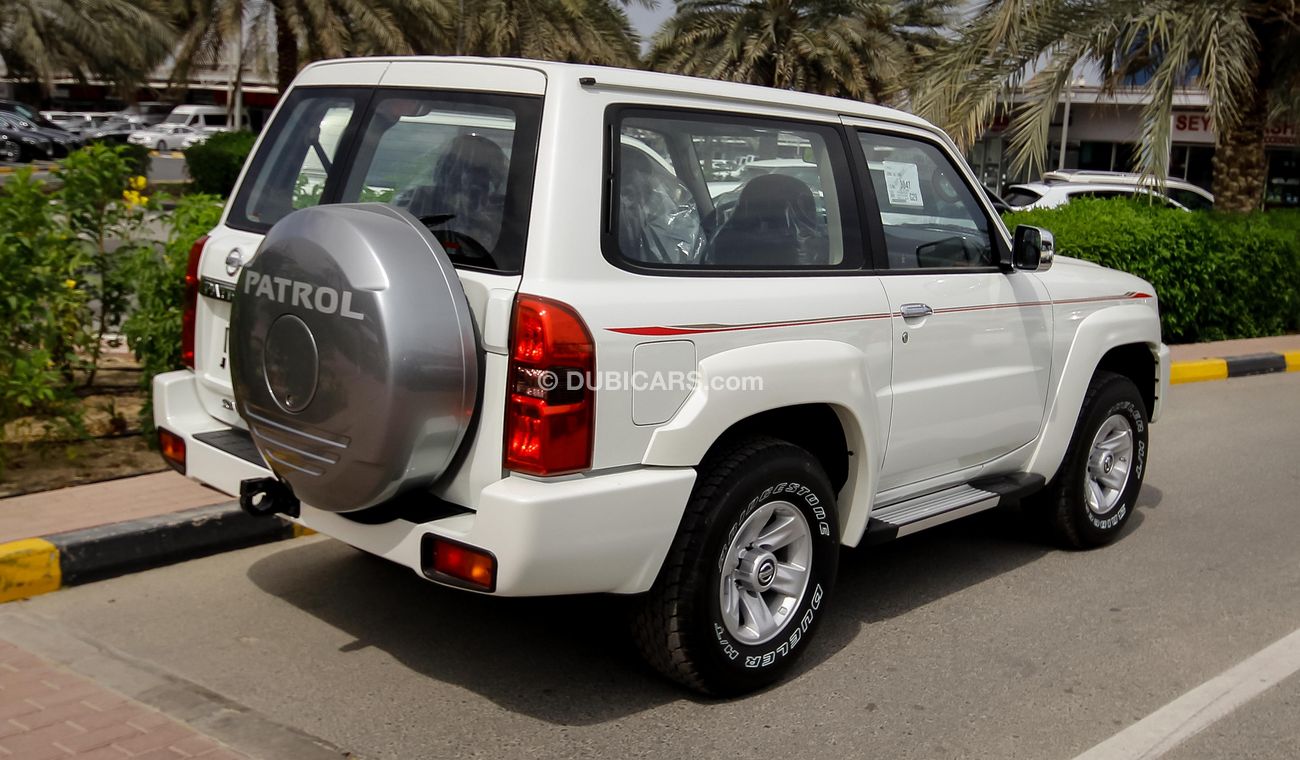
(173, 449)
(458, 564)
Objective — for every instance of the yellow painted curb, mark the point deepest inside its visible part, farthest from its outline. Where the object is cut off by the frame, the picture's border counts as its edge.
(27, 568)
(299, 531)
(1292, 360)
(1197, 371)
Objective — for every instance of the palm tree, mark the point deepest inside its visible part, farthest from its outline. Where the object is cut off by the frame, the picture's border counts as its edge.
(116, 40)
(585, 31)
(862, 49)
(1242, 52)
(311, 29)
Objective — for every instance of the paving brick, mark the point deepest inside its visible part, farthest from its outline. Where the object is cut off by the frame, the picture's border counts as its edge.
(162, 736)
(115, 716)
(49, 713)
(30, 745)
(195, 745)
(65, 712)
(100, 737)
(165, 753)
(103, 753)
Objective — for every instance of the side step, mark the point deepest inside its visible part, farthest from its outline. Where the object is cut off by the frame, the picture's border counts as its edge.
(905, 517)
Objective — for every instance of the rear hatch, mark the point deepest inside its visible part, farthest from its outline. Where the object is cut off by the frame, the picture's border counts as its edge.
(453, 143)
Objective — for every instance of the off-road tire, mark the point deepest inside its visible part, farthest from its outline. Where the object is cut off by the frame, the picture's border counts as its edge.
(1069, 519)
(678, 624)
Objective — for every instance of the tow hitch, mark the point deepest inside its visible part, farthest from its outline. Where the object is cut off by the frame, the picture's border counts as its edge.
(263, 497)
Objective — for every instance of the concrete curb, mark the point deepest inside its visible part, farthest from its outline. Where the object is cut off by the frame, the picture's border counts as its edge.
(1234, 366)
(33, 566)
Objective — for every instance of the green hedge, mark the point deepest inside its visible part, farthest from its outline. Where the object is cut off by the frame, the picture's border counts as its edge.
(215, 163)
(1218, 276)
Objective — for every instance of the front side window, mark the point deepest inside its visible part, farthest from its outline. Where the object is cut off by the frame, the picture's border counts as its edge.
(929, 214)
(701, 191)
(461, 163)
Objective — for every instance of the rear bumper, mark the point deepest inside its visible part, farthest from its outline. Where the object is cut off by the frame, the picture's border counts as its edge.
(577, 535)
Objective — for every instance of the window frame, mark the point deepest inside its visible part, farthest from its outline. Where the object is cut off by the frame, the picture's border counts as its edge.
(857, 259)
(875, 223)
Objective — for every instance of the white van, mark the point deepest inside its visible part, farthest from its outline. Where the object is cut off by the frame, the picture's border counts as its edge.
(208, 118)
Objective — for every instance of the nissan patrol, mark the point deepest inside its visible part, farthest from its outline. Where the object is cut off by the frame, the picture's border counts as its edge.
(519, 327)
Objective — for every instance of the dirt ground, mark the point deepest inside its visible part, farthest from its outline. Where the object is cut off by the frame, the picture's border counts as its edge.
(39, 455)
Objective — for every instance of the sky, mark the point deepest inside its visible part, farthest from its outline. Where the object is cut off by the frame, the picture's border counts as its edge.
(644, 21)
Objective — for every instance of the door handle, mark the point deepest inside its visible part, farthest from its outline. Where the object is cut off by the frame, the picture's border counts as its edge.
(915, 310)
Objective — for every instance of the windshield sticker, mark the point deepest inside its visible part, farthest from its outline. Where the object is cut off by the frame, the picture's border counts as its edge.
(903, 183)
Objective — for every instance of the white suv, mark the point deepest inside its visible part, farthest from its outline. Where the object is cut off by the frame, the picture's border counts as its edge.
(486, 319)
(1058, 187)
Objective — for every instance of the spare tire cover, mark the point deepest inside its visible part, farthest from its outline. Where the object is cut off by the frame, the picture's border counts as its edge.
(353, 354)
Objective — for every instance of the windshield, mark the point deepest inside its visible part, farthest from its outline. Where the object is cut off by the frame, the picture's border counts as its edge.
(461, 163)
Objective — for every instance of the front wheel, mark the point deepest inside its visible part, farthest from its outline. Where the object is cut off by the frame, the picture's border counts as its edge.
(161, 146)
(748, 577)
(1093, 495)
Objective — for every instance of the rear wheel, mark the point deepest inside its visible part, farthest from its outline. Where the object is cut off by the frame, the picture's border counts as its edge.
(1093, 495)
(748, 576)
(162, 145)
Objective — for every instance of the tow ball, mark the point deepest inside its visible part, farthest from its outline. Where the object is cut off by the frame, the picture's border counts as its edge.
(263, 497)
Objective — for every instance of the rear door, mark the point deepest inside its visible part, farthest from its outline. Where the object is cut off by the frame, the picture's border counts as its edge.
(461, 161)
(971, 343)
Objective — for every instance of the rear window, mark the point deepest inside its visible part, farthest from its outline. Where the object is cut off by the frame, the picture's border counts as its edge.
(461, 163)
(1017, 197)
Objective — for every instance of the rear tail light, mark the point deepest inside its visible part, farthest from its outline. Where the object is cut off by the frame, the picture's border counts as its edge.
(189, 317)
(458, 564)
(550, 406)
(173, 449)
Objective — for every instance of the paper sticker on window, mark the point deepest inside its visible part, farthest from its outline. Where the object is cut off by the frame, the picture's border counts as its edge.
(903, 184)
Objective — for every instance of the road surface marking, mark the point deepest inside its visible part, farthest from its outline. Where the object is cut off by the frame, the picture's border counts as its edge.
(1199, 708)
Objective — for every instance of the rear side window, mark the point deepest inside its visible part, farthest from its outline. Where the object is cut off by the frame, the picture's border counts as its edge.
(1018, 197)
(461, 163)
(697, 191)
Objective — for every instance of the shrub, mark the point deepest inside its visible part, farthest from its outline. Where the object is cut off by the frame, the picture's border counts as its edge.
(1218, 276)
(214, 164)
(102, 204)
(137, 157)
(41, 305)
(154, 327)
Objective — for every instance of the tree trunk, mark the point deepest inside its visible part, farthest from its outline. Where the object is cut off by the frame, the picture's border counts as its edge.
(286, 50)
(1240, 163)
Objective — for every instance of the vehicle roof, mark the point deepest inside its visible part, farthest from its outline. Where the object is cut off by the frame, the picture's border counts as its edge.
(1076, 176)
(188, 108)
(1072, 187)
(608, 76)
(780, 162)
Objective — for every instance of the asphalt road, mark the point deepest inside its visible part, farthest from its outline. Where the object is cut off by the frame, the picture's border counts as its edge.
(970, 640)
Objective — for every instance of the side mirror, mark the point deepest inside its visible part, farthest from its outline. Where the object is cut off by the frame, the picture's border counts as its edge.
(1032, 248)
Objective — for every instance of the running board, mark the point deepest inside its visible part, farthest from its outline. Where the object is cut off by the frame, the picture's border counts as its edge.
(905, 517)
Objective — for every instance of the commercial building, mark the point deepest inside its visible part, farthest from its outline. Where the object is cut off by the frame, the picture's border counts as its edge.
(1101, 132)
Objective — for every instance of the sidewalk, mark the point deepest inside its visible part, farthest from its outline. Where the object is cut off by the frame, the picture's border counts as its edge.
(47, 712)
(64, 509)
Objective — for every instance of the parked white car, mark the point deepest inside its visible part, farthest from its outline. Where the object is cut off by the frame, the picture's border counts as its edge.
(1057, 188)
(1180, 191)
(195, 138)
(162, 136)
(548, 363)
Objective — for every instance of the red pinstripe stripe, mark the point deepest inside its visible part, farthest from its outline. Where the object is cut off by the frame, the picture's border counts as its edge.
(659, 331)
